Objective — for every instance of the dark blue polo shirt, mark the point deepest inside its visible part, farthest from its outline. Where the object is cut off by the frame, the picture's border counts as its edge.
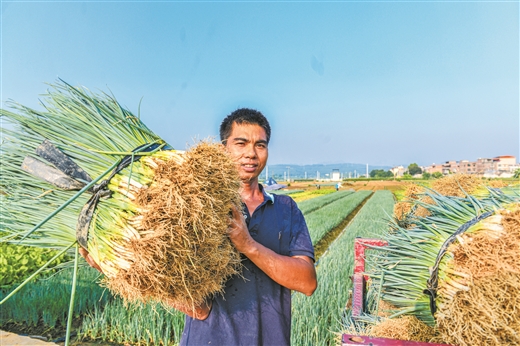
(254, 309)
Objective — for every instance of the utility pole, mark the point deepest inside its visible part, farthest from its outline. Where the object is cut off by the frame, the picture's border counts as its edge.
(288, 173)
(367, 170)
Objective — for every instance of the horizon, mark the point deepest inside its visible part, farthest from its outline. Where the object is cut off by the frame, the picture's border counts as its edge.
(404, 164)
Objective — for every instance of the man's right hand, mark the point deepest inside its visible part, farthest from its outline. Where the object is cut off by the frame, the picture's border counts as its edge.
(83, 252)
(200, 312)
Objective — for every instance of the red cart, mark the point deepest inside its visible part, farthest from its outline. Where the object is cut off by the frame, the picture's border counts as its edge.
(358, 298)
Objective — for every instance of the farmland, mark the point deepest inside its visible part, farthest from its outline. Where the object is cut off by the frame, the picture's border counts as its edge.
(40, 307)
(314, 317)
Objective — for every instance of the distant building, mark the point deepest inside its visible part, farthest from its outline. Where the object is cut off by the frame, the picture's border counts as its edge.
(485, 166)
(433, 168)
(450, 167)
(500, 166)
(335, 175)
(466, 167)
(506, 164)
(398, 171)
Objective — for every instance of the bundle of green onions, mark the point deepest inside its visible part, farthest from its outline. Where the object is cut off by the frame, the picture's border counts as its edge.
(421, 273)
(153, 218)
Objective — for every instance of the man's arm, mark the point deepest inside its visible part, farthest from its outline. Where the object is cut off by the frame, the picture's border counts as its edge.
(295, 273)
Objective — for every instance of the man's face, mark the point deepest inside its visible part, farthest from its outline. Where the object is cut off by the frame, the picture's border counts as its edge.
(247, 145)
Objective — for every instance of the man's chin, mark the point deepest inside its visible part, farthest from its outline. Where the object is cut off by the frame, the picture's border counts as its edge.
(248, 178)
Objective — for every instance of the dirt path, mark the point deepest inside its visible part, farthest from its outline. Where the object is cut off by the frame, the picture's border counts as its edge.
(11, 339)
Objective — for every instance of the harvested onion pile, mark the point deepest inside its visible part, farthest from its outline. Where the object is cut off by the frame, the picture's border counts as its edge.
(176, 246)
(451, 270)
(154, 219)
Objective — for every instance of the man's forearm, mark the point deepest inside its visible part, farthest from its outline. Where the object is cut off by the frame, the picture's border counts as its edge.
(296, 273)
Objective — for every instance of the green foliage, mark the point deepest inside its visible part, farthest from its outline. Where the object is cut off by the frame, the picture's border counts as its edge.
(17, 262)
(407, 176)
(302, 196)
(316, 318)
(517, 174)
(285, 192)
(330, 216)
(426, 175)
(313, 204)
(136, 323)
(381, 173)
(46, 301)
(437, 175)
(414, 169)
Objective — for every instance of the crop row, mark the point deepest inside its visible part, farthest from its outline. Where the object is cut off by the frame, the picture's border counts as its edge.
(309, 194)
(310, 205)
(315, 318)
(46, 301)
(135, 323)
(330, 216)
(285, 192)
(104, 317)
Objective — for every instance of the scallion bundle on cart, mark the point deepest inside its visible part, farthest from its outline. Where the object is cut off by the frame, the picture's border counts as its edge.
(85, 171)
(450, 271)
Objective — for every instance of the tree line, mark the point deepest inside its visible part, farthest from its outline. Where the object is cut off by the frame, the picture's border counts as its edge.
(413, 169)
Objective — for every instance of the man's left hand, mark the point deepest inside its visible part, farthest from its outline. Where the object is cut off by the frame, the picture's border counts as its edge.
(238, 232)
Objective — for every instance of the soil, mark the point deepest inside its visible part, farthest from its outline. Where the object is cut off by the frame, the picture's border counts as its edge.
(12, 339)
(20, 334)
(372, 185)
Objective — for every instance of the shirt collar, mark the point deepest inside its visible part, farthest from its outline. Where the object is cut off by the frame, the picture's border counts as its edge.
(267, 195)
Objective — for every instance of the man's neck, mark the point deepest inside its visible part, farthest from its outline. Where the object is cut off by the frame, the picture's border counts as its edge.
(251, 195)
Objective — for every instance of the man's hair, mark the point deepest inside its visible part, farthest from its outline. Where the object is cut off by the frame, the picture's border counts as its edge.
(243, 116)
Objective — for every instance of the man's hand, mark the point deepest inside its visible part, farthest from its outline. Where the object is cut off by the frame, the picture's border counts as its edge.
(238, 232)
(198, 312)
(83, 252)
(295, 273)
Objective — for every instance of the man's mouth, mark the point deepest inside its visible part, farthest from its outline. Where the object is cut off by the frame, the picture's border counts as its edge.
(249, 167)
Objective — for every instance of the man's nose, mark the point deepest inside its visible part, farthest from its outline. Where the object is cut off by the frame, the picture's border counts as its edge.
(250, 151)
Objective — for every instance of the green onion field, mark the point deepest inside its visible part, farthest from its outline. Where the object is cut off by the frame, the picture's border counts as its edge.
(41, 307)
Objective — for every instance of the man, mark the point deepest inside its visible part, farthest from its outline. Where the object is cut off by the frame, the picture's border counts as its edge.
(272, 235)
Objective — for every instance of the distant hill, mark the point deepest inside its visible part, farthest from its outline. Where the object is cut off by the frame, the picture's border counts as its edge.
(311, 171)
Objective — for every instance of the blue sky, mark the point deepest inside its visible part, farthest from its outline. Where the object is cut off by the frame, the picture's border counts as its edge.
(382, 82)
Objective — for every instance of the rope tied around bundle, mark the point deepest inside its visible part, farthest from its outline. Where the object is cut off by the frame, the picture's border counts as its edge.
(433, 281)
